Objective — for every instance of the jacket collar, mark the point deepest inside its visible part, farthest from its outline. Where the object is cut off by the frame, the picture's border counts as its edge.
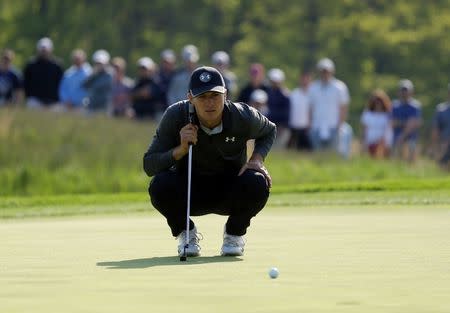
(226, 116)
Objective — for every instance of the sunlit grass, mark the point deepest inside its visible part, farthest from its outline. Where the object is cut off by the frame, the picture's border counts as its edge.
(44, 152)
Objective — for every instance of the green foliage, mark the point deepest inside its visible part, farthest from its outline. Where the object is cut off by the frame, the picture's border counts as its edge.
(45, 153)
(374, 43)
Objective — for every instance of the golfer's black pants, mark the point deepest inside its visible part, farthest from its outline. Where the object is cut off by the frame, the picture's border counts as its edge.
(238, 197)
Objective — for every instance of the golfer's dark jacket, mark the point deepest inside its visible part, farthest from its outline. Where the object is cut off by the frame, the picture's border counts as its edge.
(223, 153)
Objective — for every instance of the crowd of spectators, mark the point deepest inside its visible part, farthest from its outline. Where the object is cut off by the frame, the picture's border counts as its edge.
(311, 117)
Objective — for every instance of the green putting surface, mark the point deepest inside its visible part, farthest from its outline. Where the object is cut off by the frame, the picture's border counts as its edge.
(339, 260)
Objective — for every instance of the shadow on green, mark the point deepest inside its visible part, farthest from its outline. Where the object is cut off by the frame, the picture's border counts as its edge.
(165, 261)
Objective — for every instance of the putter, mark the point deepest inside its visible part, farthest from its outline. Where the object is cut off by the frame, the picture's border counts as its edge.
(188, 206)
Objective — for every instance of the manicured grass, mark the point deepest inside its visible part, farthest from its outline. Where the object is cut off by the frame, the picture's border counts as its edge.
(129, 203)
(334, 255)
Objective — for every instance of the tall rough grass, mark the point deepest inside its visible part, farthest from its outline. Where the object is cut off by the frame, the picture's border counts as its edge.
(43, 152)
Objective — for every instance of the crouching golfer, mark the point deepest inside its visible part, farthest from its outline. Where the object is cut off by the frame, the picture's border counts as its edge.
(223, 181)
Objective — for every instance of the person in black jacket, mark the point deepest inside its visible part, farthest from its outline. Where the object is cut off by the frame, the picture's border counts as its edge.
(146, 94)
(224, 180)
(257, 75)
(279, 106)
(42, 75)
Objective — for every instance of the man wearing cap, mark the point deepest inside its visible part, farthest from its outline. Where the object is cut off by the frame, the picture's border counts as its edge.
(42, 75)
(71, 92)
(440, 133)
(221, 61)
(180, 81)
(166, 72)
(279, 106)
(258, 100)
(99, 84)
(146, 94)
(406, 121)
(329, 99)
(224, 180)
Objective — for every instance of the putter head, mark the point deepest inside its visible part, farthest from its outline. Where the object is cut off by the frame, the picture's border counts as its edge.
(183, 258)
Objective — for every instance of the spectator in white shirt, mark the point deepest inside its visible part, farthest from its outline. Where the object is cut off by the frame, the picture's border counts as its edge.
(299, 118)
(329, 99)
(376, 125)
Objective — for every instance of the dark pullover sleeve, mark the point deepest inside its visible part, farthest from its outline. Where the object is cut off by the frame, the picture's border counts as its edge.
(159, 156)
(263, 131)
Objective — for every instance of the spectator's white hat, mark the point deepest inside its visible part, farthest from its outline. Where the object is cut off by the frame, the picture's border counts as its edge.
(276, 75)
(220, 58)
(259, 96)
(146, 62)
(44, 44)
(406, 84)
(101, 57)
(168, 55)
(325, 64)
(190, 53)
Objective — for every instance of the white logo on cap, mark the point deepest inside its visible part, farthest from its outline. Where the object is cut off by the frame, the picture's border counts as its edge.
(205, 77)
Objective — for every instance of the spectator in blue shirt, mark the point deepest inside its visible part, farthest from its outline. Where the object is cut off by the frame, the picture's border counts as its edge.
(71, 92)
(440, 133)
(406, 121)
(10, 80)
(99, 84)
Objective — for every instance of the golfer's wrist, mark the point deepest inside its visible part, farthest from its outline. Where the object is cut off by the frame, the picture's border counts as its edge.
(180, 152)
(256, 158)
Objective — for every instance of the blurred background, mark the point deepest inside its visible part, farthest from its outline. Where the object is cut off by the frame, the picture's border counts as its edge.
(373, 43)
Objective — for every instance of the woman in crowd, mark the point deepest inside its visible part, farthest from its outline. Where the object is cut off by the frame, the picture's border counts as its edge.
(376, 125)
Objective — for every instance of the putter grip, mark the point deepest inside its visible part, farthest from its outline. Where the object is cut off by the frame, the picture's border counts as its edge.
(191, 121)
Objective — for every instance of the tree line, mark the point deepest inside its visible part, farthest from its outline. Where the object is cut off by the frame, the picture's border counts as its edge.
(374, 43)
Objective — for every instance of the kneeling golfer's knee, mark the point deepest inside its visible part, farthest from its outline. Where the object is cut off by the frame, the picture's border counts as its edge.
(156, 188)
(162, 189)
(254, 185)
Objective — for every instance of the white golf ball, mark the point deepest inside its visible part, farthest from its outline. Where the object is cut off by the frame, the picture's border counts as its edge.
(273, 272)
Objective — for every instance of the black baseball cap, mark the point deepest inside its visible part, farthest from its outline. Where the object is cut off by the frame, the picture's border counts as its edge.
(204, 79)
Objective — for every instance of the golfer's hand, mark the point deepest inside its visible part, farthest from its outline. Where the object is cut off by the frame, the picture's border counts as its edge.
(258, 166)
(188, 134)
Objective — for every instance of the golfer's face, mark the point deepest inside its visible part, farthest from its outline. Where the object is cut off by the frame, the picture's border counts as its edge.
(209, 106)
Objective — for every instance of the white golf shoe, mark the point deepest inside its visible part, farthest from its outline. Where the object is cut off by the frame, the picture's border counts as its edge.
(232, 245)
(193, 248)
